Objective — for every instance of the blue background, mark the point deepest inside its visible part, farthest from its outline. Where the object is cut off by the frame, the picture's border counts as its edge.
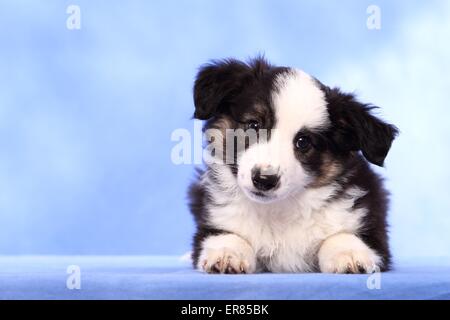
(86, 115)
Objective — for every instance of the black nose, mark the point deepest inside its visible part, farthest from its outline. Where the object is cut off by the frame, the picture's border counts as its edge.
(264, 180)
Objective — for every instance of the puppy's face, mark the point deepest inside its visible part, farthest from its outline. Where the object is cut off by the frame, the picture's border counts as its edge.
(296, 133)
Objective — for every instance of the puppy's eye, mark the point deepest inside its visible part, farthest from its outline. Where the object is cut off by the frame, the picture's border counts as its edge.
(253, 124)
(303, 143)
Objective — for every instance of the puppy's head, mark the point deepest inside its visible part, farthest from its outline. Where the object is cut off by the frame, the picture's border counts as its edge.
(297, 133)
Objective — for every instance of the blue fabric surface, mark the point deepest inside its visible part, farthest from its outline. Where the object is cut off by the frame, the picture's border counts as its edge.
(152, 277)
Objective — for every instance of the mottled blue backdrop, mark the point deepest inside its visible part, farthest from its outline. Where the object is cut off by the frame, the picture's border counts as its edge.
(86, 115)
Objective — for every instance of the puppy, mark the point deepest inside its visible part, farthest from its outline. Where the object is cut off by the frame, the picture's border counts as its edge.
(302, 196)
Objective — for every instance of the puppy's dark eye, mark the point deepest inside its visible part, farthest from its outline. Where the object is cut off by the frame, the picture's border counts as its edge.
(253, 124)
(303, 143)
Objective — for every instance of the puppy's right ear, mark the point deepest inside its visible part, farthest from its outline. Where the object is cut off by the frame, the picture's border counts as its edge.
(216, 84)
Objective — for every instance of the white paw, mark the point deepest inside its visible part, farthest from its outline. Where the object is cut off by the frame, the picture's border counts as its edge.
(349, 262)
(224, 261)
(345, 253)
(226, 254)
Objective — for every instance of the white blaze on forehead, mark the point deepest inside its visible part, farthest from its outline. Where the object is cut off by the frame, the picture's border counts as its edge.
(299, 103)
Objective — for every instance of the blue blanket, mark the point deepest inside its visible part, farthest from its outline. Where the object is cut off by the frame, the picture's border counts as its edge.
(152, 277)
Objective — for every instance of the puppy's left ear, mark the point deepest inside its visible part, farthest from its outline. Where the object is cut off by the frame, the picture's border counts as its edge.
(357, 129)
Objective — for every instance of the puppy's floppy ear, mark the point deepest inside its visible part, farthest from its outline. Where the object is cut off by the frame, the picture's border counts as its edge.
(216, 84)
(355, 128)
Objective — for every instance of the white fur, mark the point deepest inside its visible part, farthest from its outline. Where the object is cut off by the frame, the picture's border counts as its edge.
(286, 234)
(299, 103)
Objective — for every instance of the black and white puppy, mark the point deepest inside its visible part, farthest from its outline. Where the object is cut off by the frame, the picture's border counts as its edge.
(305, 198)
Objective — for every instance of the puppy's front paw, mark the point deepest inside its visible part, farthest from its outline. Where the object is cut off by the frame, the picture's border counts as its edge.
(345, 253)
(349, 262)
(224, 260)
(226, 254)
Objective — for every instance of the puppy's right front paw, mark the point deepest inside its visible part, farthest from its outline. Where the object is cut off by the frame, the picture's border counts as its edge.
(225, 260)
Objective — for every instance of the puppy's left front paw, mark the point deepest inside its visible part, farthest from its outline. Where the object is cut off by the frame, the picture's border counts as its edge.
(346, 253)
(349, 262)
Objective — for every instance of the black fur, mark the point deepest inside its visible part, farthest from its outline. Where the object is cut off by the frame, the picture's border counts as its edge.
(198, 196)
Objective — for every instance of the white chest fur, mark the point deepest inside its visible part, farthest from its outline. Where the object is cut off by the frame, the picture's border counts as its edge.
(286, 235)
